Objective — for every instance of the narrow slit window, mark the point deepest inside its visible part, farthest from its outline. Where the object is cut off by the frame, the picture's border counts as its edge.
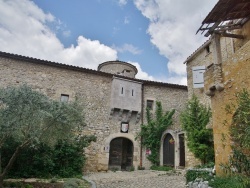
(132, 92)
(208, 49)
(122, 91)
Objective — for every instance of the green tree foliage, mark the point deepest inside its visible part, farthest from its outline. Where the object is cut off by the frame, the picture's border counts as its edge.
(65, 159)
(30, 118)
(151, 133)
(199, 139)
(240, 135)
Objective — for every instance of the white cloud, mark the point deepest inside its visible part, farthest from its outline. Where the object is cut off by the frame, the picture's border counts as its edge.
(87, 53)
(122, 2)
(24, 31)
(141, 74)
(172, 28)
(181, 80)
(128, 48)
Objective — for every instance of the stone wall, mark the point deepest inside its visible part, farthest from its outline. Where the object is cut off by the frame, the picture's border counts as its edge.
(118, 67)
(170, 98)
(93, 89)
(235, 77)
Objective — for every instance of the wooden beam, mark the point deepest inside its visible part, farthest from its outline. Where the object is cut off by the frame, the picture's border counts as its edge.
(210, 31)
(224, 27)
(224, 34)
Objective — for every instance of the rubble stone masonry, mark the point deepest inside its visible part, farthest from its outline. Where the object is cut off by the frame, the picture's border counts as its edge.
(93, 89)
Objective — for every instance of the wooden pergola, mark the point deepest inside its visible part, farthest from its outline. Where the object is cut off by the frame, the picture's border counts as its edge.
(227, 15)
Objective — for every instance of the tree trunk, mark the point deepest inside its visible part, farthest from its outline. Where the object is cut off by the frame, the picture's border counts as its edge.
(1, 181)
(11, 161)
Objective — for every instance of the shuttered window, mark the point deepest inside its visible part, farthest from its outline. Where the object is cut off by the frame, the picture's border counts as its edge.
(198, 78)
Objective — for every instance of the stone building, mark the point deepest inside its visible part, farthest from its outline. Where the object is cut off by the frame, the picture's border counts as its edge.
(115, 104)
(221, 67)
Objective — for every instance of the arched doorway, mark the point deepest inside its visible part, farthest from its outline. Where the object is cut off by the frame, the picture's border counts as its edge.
(121, 154)
(168, 150)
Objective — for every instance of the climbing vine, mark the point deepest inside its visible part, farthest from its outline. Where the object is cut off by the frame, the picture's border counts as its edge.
(151, 132)
(194, 120)
(240, 134)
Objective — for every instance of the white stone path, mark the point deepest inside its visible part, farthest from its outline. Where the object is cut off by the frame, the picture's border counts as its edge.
(137, 179)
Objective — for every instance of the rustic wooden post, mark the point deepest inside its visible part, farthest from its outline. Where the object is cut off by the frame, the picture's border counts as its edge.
(217, 62)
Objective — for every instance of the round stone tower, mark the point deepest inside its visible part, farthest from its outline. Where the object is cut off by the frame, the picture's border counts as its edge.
(119, 68)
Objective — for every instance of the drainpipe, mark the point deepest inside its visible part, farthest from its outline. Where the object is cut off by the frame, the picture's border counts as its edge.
(142, 105)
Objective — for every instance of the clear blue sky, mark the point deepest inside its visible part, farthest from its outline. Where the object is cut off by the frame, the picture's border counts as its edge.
(156, 36)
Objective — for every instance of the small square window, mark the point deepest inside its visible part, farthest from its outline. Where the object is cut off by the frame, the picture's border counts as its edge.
(150, 104)
(64, 98)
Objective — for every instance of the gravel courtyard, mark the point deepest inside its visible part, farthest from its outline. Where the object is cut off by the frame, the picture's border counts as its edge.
(138, 179)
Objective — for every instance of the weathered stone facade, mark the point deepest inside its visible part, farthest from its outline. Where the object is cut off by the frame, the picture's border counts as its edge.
(235, 75)
(109, 99)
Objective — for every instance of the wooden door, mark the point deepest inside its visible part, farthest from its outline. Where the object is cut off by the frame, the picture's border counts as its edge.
(168, 150)
(115, 153)
(182, 150)
(121, 154)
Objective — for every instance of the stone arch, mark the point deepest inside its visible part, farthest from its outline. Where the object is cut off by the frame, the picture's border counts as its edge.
(175, 135)
(131, 138)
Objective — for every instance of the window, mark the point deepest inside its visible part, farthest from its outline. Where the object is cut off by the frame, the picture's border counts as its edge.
(208, 49)
(132, 92)
(122, 90)
(64, 98)
(198, 80)
(150, 104)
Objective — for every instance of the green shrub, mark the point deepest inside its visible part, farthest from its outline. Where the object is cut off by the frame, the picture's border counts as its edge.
(12, 184)
(192, 174)
(151, 132)
(194, 120)
(161, 168)
(230, 182)
(76, 183)
(141, 168)
(53, 180)
(65, 159)
(132, 168)
(71, 183)
(114, 169)
(28, 186)
(207, 165)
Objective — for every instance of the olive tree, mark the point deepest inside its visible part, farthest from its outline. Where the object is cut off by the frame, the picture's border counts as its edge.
(30, 117)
